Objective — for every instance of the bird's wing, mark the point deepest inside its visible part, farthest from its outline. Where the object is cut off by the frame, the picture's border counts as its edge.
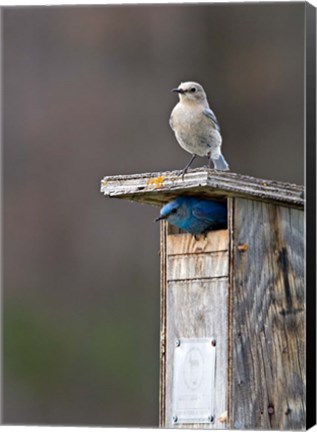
(210, 212)
(211, 115)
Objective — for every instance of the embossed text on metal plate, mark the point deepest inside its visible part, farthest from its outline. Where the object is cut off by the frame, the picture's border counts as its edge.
(194, 380)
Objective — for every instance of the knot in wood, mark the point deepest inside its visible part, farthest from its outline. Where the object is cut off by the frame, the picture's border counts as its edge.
(243, 247)
(270, 410)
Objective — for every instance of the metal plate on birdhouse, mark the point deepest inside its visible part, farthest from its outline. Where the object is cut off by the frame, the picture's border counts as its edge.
(194, 381)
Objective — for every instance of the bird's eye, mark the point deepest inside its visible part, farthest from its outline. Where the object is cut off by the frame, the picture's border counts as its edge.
(193, 89)
(174, 211)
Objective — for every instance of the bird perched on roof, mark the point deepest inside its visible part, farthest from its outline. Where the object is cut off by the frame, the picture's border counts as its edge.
(196, 127)
(195, 215)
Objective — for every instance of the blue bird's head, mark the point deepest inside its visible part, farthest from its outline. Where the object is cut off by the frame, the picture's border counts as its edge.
(174, 211)
(195, 215)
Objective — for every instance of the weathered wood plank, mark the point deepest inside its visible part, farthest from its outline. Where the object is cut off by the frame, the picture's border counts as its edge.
(230, 207)
(158, 188)
(269, 317)
(197, 266)
(215, 241)
(197, 309)
(163, 284)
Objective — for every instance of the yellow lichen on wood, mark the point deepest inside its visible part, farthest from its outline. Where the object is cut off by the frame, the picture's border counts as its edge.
(223, 418)
(243, 247)
(156, 182)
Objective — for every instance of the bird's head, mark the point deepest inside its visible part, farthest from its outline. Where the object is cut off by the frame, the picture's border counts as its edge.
(190, 92)
(173, 211)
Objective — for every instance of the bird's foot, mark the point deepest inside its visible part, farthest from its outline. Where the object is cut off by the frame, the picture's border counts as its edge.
(212, 169)
(182, 173)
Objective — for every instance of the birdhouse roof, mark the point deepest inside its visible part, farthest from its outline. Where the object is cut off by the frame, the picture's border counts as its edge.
(157, 188)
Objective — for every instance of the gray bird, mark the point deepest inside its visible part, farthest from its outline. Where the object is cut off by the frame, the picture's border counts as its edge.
(196, 127)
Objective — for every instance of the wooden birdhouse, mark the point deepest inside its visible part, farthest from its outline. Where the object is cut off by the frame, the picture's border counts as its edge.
(232, 303)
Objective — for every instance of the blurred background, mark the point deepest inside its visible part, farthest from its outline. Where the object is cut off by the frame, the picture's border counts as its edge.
(86, 93)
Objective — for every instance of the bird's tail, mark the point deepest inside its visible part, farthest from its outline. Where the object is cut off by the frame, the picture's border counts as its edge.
(220, 164)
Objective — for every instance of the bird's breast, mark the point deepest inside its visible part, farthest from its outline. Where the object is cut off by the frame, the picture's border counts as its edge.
(185, 117)
(193, 130)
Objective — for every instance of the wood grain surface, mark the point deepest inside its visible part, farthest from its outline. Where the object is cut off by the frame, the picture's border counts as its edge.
(268, 365)
(196, 307)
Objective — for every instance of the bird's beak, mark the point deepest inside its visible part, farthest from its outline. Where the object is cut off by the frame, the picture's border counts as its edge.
(161, 218)
(177, 90)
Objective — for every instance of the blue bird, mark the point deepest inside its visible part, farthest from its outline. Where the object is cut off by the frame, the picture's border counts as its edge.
(195, 215)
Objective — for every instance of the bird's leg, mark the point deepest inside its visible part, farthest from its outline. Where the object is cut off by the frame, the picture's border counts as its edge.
(188, 165)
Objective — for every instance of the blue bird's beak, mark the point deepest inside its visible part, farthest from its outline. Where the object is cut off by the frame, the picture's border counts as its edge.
(161, 218)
